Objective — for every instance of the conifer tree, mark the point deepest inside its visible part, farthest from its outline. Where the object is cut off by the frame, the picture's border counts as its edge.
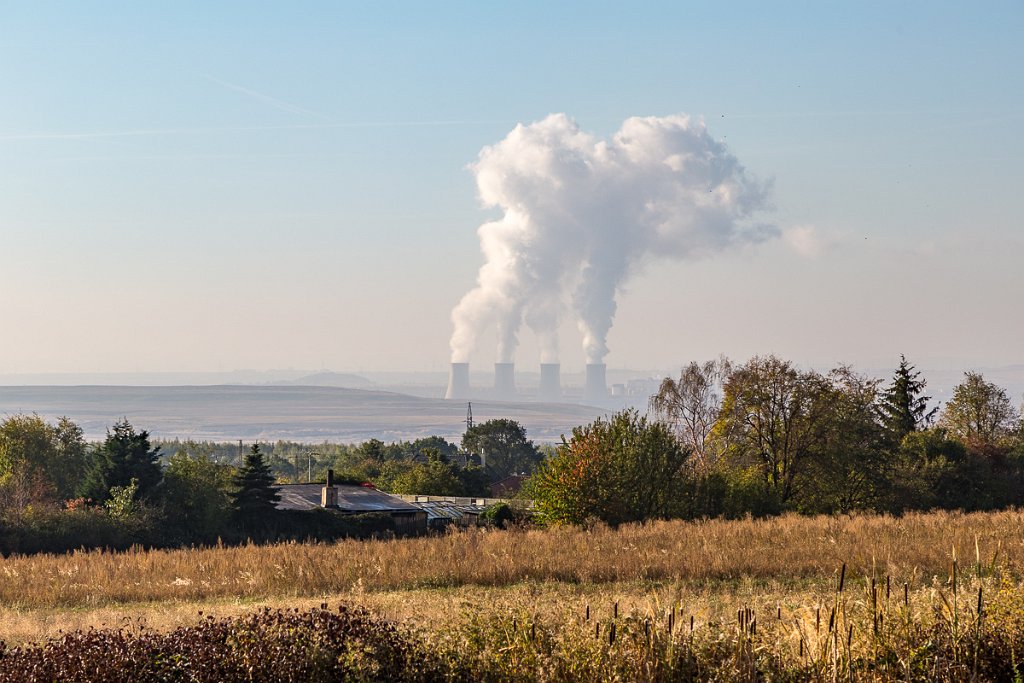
(902, 407)
(125, 455)
(254, 496)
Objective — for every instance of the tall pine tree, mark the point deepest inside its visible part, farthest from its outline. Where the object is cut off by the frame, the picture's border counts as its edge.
(124, 455)
(903, 408)
(254, 496)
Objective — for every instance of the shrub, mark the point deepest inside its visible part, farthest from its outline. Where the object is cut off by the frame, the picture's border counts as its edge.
(48, 530)
(316, 645)
(499, 515)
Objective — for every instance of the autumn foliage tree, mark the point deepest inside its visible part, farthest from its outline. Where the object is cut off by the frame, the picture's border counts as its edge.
(617, 470)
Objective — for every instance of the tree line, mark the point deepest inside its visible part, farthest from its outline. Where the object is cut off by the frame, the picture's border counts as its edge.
(764, 437)
(721, 440)
(58, 492)
(487, 452)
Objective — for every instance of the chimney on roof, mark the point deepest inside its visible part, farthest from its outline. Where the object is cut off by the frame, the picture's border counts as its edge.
(329, 494)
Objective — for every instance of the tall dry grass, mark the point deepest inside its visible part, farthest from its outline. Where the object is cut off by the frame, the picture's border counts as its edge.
(914, 549)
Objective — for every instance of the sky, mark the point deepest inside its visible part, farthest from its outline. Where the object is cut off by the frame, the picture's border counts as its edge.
(207, 187)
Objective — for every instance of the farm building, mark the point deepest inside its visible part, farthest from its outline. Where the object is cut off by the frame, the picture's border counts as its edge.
(445, 511)
(349, 499)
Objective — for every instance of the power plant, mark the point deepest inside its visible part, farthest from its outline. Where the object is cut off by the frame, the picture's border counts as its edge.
(505, 381)
(578, 216)
(596, 388)
(549, 388)
(458, 381)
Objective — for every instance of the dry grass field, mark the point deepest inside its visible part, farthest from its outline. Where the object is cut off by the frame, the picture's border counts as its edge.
(790, 549)
(510, 590)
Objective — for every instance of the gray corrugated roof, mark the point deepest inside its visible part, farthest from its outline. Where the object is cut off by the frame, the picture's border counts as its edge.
(350, 499)
(440, 509)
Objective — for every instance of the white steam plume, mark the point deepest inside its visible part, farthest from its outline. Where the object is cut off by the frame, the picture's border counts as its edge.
(581, 214)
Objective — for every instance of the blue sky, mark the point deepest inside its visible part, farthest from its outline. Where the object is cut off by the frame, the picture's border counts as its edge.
(212, 186)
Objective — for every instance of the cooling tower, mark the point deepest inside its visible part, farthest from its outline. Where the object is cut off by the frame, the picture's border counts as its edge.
(458, 381)
(595, 390)
(550, 390)
(505, 381)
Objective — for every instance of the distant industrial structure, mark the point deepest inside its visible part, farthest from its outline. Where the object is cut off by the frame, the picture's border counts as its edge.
(549, 389)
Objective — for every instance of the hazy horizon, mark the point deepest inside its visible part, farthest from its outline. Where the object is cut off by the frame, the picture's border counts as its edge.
(200, 188)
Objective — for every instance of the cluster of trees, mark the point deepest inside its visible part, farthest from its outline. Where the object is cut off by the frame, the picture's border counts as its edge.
(489, 452)
(57, 491)
(765, 437)
(729, 440)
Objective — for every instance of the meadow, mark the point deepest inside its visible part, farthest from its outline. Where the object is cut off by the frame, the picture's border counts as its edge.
(786, 598)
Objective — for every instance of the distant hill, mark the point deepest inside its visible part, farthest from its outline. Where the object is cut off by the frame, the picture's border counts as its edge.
(328, 379)
(270, 412)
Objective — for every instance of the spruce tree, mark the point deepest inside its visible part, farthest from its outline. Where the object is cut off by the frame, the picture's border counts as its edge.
(254, 497)
(903, 408)
(123, 456)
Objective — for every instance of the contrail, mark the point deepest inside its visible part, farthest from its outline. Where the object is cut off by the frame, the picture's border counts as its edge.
(140, 132)
(272, 101)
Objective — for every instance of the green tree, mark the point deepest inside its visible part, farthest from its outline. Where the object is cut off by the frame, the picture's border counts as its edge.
(39, 463)
(979, 412)
(436, 477)
(123, 500)
(474, 481)
(772, 419)
(929, 470)
(198, 496)
(623, 469)
(902, 406)
(254, 497)
(502, 447)
(124, 455)
(71, 457)
(847, 467)
(422, 447)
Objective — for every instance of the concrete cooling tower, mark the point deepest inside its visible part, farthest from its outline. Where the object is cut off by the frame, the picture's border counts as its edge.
(458, 381)
(505, 381)
(550, 390)
(595, 390)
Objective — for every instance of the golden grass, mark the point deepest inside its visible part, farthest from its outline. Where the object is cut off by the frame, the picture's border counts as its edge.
(913, 548)
(438, 609)
(785, 570)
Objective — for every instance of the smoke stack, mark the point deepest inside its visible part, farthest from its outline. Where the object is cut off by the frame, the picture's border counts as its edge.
(595, 390)
(458, 381)
(505, 381)
(550, 390)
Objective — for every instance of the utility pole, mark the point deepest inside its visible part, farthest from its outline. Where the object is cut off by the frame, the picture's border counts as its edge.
(469, 425)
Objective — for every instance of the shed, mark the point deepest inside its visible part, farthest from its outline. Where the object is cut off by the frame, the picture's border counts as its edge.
(350, 499)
